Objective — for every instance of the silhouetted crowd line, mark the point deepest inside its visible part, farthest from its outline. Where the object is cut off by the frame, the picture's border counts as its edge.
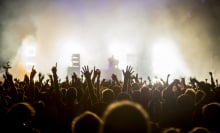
(88, 104)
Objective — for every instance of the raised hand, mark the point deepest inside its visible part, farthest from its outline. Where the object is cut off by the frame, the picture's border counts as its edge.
(54, 69)
(85, 71)
(26, 79)
(183, 82)
(206, 80)
(149, 79)
(114, 77)
(136, 78)
(96, 73)
(67, 80)
(33, 73)
(127, 76)
(41, 77)
(193, 81)
(162, 81)
(212, 79)
(167, 82)
(129, 71)
(74, 76)
(6, 67)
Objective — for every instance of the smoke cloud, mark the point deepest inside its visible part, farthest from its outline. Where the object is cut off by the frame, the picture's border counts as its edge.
(98, 29)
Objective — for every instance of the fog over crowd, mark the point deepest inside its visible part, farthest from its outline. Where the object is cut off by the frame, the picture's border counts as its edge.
(117, 27)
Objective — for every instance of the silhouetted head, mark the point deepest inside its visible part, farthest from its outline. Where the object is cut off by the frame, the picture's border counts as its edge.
(156, 94)
(199, 130)
(191, 92)
(185, 102)
(20, 116)
(125, 117)
(135, 86)
(145, 90)
(124, 96)
(21, 111)
(87, 122)
(200, 95)
(145, 93)
(211, 115)
(171, 130)
(39, 106)
(136, 95)
(211, 111)
(107, 95)
(71, 94)
(117, 90)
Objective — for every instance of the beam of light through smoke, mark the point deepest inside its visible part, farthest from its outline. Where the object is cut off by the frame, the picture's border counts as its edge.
(167, 60)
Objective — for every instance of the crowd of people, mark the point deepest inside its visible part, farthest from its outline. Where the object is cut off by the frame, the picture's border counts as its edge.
(88, 104)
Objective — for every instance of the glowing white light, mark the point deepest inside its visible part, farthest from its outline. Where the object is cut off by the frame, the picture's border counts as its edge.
(166, 59)
(29, 44)
(30, 51)
(66, 47)
(119, 52)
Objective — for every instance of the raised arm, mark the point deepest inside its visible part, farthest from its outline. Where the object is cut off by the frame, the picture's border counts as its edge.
(32, 87)
(127, 76)
(183, 82)
(55, 77)
(90, 86)
(95, 74)
(40, 78)
(9, 84)
(212, 79)
(150, 81)
(97, 84)
(167, 82)
(169, 94)
(115, 79)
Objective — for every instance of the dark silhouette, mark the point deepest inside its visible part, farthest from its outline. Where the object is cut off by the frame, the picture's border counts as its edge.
(199, 130)
(132, 104)
(19, 118)
(125, 116)
(86, 122)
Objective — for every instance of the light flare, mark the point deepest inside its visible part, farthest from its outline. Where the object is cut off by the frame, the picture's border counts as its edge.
(167, 59)
(29, 48)
(120, 53)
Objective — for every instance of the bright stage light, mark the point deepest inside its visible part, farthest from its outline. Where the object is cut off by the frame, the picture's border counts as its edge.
(29, 44)
(67, 46)
(30, 51)
(167, 59)
(119, 52)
